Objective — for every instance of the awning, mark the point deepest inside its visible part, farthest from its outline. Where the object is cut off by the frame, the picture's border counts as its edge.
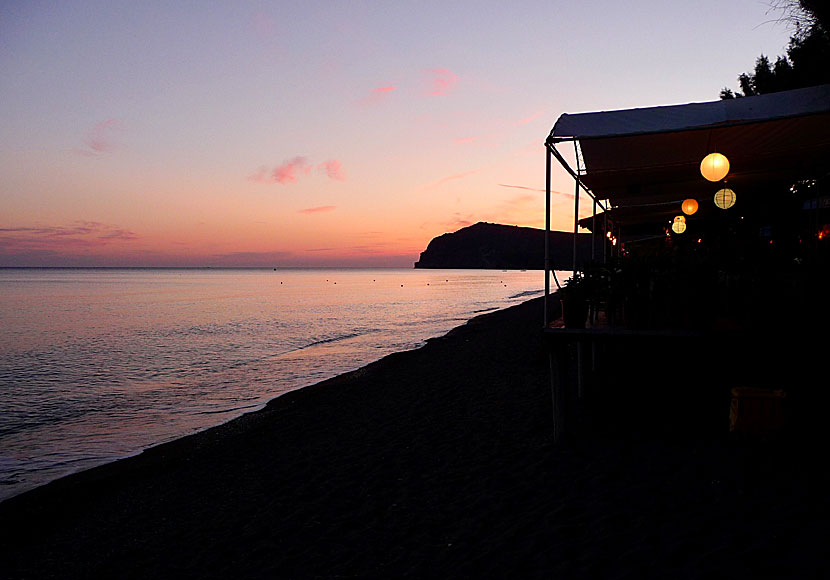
(652, 155)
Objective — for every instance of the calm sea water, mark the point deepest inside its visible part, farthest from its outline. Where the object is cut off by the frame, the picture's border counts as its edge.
(99, 364)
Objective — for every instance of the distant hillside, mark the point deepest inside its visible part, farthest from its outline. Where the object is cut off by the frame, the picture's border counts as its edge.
(499, 247)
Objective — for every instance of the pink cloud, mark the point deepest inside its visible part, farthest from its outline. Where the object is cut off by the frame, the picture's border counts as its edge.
(333, 169)
(288, 171)
(104, 136)
(320, 209)
(463, 140)
(292, 170)
(378, 95)
(441, 81)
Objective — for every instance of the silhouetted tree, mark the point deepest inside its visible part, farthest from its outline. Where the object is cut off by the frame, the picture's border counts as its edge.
(808, 55)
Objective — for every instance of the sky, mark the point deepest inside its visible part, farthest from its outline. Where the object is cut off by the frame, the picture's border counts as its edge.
(321, 134)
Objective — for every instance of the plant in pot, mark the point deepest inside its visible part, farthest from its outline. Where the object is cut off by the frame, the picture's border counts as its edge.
(574, 298)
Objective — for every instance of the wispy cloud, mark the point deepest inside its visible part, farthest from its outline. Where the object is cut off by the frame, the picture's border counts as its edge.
(459, 221)
(104, 137)
(449, 178)
(320, 209)
(532, 117)
(440, 81)
(378, 95)
(333, 169)
(60, 239)
(535, 189)
(292, 170)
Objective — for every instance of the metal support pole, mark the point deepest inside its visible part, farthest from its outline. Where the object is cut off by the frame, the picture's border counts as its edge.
(547, 231)
(594, 232)
(576, 205)
(557, 357)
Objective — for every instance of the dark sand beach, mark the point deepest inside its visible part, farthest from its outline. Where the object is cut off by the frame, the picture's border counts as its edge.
(433, 463)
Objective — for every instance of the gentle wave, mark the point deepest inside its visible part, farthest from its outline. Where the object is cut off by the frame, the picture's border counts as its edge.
(526, 293)
(116, 361)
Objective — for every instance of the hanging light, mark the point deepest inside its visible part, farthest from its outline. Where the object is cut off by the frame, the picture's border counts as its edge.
(689, 206)
(725, 198)
(678, 227)
(680, 218)
(714, 166)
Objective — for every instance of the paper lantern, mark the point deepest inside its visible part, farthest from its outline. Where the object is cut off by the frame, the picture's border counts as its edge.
(714, 167)
(725, 198)
(680, 218)
(678, 227)
(689, 206)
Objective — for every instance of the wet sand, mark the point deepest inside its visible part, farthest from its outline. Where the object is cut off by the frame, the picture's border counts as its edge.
(432, 463)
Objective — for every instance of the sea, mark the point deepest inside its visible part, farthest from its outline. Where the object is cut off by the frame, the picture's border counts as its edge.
(99, 364)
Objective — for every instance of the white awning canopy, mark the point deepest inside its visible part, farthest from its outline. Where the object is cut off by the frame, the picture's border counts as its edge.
(653, 154)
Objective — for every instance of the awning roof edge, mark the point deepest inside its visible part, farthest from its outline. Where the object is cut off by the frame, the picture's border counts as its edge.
(692, 116)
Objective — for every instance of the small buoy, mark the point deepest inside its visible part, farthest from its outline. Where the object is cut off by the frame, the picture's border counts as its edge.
(280, 282)
(401, 285)
(427, 283)
(335, 282)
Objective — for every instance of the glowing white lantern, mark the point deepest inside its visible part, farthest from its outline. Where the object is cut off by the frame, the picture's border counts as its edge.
(689, 206)
(714, 167)
(678, 227)
(725, 198)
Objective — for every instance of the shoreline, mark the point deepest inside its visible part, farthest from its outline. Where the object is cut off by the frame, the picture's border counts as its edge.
(210, 369)
(258, 407)
(432, 462)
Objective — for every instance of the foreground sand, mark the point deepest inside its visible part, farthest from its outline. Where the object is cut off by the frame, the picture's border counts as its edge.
(433, 463)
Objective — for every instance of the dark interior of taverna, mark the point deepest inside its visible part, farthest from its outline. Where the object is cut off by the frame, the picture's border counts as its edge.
(709, 267)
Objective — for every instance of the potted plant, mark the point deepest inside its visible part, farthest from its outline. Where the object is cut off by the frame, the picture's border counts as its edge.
(574, 298)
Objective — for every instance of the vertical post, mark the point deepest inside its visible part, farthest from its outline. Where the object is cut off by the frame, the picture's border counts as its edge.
(576, 203)
(547, 231)
(594, 232)
(557, 356)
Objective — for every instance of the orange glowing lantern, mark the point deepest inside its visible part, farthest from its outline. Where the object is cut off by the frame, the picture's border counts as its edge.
(689, 206)
(714, 166)
(725, 198)
(680, 218)
(678, 227)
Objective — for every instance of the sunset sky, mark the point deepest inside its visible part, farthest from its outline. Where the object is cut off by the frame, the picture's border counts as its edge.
(320, 133)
